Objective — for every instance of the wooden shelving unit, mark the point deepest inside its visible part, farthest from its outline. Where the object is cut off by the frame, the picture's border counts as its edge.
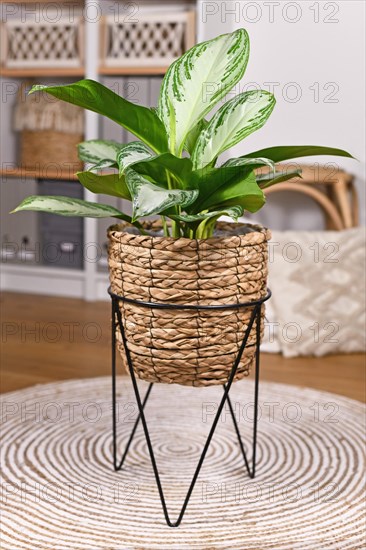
(70, 72)
(23, 173)
(136, 71)
(41, 72)
(40, 2)
(90, 282)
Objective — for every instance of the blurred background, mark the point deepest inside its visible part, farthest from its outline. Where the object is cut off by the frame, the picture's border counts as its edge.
(55, 314)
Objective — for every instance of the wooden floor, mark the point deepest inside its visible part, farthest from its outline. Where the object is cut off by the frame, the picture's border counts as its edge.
(46, 339)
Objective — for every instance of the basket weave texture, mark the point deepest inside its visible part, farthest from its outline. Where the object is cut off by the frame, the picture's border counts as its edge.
(188, 347)
(49, 131)
(44, 148)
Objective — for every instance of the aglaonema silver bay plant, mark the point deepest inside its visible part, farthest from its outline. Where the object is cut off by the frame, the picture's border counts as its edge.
(173, 168)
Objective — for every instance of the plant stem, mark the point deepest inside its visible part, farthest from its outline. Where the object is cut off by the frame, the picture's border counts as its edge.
(175, 224)
(165, 227)
(176, 229)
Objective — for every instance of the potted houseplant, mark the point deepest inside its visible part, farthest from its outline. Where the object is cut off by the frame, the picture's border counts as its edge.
(173, 170)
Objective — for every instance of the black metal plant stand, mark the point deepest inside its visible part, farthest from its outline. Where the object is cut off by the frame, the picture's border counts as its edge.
(255, 306)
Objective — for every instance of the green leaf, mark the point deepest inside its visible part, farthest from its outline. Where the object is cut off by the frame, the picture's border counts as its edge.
(141, 121)
(267, 180)
(211, 180)
(160, 167)
(148, 198)
(97, 150)
(65, 206)
(234, 212)
(157, 168)
(198, 80)
(131, 153)
(287, 152)
(202, 225)
(242, 191)
(234, 121)
(109, 184)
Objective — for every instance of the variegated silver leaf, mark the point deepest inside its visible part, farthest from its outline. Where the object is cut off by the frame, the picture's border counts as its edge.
(244, 161)
(133, 152)
(198, 80)
(148, 198)
(234, 121)
(97, 150)
(65, 206)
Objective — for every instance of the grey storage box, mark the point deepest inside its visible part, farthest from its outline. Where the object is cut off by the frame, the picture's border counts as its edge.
(61, 237)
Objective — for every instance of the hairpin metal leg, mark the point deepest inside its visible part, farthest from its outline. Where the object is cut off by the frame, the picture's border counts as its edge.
(117, 321)
(251, 472)
(118, 465)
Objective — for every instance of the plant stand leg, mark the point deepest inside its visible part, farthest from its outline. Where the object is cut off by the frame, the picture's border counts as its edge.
(117, 321)
(251, 472)
(118, 465)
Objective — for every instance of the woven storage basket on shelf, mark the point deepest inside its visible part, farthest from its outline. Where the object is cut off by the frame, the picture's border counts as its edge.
(49, 132)
(189, 347)
(42, 149)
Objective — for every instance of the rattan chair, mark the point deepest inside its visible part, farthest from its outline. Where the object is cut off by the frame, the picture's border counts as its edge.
(332, 189)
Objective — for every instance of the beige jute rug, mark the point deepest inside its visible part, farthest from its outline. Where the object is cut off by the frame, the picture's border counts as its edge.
(59, 490)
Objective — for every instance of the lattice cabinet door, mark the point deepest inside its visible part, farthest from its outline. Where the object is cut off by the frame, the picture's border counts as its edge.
(154, 39)
(57, 44)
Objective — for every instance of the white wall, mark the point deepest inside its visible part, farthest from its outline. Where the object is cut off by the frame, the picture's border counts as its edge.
(313, 56)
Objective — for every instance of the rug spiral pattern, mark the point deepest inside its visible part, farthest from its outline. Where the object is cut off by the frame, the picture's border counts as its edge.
(59, 490)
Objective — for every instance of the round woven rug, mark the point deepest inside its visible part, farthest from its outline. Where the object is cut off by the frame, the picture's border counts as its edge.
(59, 490)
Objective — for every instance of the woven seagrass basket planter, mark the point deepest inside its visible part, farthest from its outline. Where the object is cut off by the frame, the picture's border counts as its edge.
(189, 347)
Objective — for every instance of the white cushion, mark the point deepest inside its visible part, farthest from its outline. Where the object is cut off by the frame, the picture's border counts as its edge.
(318, 283)
(270, 341)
